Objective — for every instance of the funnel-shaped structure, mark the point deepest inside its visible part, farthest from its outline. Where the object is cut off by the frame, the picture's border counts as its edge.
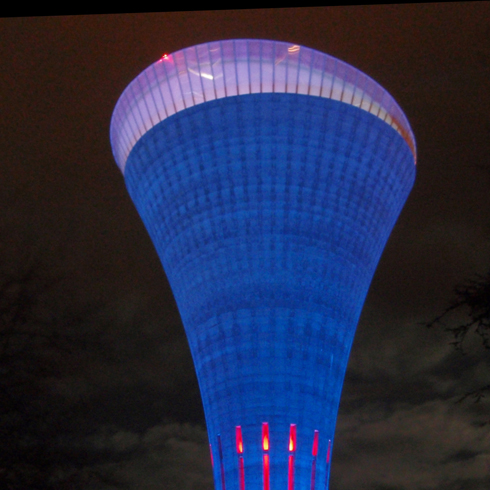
(269, 177)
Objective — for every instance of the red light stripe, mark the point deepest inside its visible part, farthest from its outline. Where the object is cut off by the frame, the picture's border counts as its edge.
(314, 451)
(265, 436)
(239, 440)
(211, 453)
(313, 474)
(327, 473)
(265, 447)
(291, 473)
(292, 438)
(266, 472)
(241, 473)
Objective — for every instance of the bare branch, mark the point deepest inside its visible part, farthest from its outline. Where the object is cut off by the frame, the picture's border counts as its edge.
(472, 297)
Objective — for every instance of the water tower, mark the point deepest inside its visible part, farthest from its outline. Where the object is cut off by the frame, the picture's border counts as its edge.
(269, 176)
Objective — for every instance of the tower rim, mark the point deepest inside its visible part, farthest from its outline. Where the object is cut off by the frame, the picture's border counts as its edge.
(232, 67)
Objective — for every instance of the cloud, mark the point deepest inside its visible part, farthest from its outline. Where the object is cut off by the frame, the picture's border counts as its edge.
(167, 456)
(430, 446)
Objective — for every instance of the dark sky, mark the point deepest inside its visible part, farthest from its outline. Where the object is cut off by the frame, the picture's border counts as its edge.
(63, 201)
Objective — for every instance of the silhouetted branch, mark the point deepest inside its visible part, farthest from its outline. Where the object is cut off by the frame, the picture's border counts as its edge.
(476, 395)
(473, 297)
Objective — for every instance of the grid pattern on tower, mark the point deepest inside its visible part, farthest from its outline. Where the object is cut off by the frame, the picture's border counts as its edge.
(269, 213)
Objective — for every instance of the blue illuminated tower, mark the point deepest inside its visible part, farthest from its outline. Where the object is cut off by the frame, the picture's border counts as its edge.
(269, 177)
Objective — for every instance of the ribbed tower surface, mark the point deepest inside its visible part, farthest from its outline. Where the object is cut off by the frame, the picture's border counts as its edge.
(269, 177)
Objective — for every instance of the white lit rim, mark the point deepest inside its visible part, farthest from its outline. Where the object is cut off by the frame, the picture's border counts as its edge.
(242, 66)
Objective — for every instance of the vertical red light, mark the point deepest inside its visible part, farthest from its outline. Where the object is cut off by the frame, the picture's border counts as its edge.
(314, 453)
(241, 473)
(265, 448)
(239, 440)
(327, 473)
(313, 474)
(292, 438)
(292, 448)
(211, 453)
(291, 472)
(265, 436)
(239, 450)
(266, 472)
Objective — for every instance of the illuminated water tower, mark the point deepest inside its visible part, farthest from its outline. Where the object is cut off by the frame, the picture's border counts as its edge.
(269, 176)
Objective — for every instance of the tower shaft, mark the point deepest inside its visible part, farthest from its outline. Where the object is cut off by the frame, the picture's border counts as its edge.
(269, 212)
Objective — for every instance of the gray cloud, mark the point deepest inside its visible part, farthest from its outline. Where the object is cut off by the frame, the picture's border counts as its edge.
(425, 447)
(165, 457)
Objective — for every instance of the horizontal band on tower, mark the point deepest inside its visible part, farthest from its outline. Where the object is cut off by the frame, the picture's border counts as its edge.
(229, 68)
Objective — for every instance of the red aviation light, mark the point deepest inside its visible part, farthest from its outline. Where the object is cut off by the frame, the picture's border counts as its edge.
(314, 451)
(265, 436)
(239, 440)
(292, 438)
(166, 57)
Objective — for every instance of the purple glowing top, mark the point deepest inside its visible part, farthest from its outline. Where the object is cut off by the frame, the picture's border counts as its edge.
(242, 66)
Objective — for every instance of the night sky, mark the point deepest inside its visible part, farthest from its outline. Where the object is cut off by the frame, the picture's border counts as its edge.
(128, 380)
